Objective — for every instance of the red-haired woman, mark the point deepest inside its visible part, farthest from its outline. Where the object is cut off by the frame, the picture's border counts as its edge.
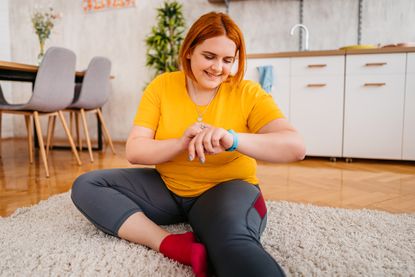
(203, 129)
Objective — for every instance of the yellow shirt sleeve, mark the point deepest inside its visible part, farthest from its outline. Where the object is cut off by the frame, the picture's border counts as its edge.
(148, 112)
(261, 107)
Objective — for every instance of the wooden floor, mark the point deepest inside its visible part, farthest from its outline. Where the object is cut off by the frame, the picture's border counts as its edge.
(382, 185)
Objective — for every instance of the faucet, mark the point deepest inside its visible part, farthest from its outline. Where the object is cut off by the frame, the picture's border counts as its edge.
(307, 34)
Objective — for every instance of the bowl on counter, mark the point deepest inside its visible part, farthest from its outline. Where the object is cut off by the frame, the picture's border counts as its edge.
(358, 46)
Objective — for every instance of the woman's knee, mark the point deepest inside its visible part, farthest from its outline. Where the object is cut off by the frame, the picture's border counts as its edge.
(84, 186)
(235, 209)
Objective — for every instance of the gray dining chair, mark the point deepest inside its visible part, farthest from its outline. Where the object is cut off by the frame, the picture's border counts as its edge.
(53, 91)
(90, 96)
(3, 99)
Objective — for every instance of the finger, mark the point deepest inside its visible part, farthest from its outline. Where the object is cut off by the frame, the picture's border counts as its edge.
(216, 137)
(216, 142)
(192, 131)
(199, 149)
(191, 150)
(195, 130)
(207, 143)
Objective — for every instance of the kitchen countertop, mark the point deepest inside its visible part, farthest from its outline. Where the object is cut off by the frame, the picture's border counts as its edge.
(331, 52)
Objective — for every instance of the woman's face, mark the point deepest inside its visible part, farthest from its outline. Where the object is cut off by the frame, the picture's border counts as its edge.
(211, 61)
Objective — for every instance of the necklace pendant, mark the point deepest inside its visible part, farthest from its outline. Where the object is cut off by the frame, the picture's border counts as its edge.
(199, 119)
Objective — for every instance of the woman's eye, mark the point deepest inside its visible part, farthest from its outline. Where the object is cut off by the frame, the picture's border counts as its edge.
(228, 61)
(209, 57)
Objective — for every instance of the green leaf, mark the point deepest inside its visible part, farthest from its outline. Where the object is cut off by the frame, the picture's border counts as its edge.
(164, 41)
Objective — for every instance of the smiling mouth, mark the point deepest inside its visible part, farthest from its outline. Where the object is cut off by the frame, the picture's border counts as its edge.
(212, 75)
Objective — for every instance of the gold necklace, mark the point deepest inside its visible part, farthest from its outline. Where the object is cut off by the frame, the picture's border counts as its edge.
(200, 114)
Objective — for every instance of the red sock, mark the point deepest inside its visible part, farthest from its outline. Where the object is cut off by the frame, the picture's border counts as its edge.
(199, 260)
(184, 249)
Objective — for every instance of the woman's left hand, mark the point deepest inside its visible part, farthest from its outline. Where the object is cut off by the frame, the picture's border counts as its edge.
(212, 140)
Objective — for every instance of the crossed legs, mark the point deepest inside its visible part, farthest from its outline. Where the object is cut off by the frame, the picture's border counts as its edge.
(228, 219)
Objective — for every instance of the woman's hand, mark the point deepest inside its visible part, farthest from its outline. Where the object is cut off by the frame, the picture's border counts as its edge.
(209, 140)
(189, 134)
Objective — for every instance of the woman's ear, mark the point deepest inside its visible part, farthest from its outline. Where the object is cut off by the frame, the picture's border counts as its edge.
(189, 54)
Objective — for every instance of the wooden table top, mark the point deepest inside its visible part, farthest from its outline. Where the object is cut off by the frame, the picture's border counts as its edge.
(13, 66)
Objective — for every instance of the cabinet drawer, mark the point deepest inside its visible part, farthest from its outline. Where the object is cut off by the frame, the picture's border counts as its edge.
(316, 84)
(384, 91)
(280, 68)
(376, 64)
(317, 65)
(375, 83)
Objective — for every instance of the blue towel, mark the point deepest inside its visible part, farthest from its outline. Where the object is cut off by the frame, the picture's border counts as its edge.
(266, 77)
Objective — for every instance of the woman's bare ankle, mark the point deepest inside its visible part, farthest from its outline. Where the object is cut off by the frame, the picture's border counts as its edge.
(141, 230)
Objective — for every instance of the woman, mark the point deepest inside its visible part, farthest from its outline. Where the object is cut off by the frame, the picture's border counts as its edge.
(203, 129)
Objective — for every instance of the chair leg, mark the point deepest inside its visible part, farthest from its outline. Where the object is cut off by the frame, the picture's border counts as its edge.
(71, 120)
(68, 133)
(29, 136)
(104, 128)
(50, 133)
(88, 140)
(40, 139)
(78, 134)
(0, 127)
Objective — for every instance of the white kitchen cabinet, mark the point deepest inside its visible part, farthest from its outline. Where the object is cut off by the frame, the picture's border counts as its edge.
(408, 142)
(316, 108)
(352, 106)
(374, 106)
(281, 79)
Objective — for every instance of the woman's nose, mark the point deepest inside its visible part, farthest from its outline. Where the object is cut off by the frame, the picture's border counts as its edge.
(217, 66)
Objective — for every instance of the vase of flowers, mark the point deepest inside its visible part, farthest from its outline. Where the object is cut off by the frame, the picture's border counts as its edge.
(43, 23)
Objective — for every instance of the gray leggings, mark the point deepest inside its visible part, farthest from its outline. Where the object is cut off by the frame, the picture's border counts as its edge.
(228, 219)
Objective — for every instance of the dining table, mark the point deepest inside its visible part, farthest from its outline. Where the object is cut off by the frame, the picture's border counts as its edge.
(21, 72)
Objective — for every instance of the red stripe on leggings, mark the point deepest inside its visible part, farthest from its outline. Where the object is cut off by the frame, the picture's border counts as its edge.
(260, 206)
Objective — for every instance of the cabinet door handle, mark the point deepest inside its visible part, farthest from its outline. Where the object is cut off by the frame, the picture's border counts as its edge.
(376, 64)
(316, 65)
(375, 84)
(316, 85)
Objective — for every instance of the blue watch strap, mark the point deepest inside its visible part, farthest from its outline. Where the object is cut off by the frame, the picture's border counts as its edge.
(235, 140)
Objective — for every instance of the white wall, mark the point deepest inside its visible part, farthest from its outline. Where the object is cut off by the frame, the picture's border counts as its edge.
(332, 24)
(120, 35)
(5, 54)
(386, 21)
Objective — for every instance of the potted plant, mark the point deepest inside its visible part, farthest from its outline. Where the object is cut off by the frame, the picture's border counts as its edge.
(163, 43)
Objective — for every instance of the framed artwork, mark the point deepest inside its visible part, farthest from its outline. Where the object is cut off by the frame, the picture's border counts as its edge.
(102, 5)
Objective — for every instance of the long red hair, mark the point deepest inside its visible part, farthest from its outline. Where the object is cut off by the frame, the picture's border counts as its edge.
(211, 25)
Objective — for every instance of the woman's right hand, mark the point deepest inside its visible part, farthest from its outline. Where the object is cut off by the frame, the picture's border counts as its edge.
(190, 133)
(211, 140)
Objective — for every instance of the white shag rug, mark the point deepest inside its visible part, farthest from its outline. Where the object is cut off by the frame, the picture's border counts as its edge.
(54, 239)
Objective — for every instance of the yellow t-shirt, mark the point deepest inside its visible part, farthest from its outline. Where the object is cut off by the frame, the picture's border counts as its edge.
(167, 109)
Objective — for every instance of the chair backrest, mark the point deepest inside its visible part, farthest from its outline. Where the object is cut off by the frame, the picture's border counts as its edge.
(55, 81)
(3, 100)
(96, 85)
